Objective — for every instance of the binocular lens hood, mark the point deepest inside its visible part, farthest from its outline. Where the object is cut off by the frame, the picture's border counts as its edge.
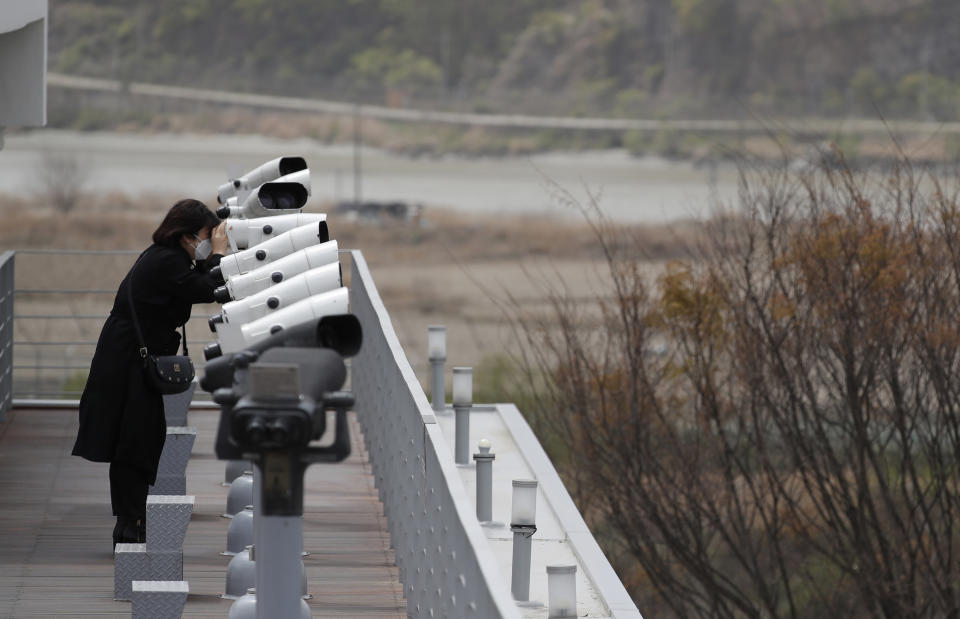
(222, 295)
(212, 351)
(215, 320)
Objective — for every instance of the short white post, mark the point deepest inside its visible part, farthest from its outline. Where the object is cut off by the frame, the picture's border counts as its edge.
(437, 351)
(462, 403)
(562, 590)
(484, 460)
(523, 524)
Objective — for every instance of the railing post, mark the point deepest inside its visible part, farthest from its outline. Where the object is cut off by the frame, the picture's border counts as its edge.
(6, 333)
(446, 564)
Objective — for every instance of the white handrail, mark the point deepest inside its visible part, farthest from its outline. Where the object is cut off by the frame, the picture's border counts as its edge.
(446, 566)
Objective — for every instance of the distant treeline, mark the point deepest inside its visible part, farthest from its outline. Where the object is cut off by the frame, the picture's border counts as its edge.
(710, 58)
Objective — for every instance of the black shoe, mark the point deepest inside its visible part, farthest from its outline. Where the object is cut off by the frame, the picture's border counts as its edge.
(118, 533)
(140, 528)
(128, 531)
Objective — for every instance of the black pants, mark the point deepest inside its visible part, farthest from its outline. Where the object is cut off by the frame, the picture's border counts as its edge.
(128, 491)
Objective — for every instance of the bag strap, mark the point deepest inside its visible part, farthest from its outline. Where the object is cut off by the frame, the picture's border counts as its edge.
(136, 323)
(133, 310)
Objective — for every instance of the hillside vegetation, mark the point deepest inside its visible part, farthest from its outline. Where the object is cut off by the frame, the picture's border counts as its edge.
(612, 57)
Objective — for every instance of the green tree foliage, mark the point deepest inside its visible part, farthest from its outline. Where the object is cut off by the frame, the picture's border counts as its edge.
(404, 70)
(296, 45)
(868, 90)
(569, 56)
(928, 95)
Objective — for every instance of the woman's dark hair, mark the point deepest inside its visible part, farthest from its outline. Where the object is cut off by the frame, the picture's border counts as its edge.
(187, 216)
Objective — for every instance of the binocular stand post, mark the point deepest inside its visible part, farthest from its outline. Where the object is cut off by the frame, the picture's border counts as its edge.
(278, 517)
(279, 567)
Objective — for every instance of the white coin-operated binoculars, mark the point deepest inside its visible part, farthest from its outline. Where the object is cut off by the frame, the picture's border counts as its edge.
(245, 284)
(280, 296)
(240, 188)
(245, 233)
(285, 195)
(274, 397)
(234, 338)
(273, 249)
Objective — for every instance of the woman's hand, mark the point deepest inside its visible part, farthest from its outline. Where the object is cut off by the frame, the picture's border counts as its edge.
(218, 239)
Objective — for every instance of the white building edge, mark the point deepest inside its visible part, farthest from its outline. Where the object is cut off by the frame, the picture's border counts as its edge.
(23, 64)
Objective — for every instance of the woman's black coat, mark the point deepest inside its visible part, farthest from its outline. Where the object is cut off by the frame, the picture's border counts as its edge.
(121, 417)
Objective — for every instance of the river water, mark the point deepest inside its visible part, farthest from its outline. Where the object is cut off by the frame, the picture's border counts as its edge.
(628, 189)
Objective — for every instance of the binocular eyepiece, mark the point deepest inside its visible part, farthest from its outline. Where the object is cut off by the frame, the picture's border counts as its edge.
(221, 295)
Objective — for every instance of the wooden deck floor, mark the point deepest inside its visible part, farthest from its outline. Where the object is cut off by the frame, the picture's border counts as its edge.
(55, 527)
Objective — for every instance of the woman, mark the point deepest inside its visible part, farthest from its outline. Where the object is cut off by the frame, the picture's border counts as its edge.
(121, 417)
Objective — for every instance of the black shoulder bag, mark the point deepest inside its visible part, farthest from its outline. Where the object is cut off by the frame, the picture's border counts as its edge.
(166, 374)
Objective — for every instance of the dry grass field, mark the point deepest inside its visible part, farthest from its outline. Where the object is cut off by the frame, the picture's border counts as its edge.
(446, 268)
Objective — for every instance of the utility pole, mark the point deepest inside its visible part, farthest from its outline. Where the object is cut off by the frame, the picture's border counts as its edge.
(357, 163)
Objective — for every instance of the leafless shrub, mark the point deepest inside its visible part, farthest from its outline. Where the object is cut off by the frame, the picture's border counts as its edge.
(60, 179)
(772, 429)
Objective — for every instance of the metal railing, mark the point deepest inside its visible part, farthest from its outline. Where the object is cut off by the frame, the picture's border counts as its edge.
(6, 333)
(446, 566)
(59, 318)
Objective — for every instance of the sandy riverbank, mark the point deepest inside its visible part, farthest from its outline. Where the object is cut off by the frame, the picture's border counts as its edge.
(449, 268)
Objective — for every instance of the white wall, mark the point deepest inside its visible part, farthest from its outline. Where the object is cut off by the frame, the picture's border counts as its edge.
(23, 62)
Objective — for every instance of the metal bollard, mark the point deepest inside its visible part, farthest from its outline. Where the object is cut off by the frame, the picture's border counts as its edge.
(462, 403)
(245, 607)
(240, 531)
(484, 460)
(240, 495)
(235, 469)
(241, 573)
(523, 525)
(437, 351)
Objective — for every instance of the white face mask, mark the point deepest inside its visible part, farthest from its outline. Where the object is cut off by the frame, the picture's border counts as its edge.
(203, 248)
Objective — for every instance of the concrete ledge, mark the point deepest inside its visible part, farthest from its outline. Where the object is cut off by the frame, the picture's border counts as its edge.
(167, 520)
(159, 599)
(595, 564)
